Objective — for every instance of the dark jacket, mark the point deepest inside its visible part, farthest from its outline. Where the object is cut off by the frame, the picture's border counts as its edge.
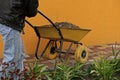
(13, 12)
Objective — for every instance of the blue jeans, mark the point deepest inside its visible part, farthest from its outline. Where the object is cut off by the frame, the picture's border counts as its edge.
(13, 49)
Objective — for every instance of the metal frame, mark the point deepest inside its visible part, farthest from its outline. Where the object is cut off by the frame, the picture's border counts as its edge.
(59, 50)
(38, 35)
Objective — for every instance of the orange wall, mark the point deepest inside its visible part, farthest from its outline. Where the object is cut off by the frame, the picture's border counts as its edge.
(102, 16)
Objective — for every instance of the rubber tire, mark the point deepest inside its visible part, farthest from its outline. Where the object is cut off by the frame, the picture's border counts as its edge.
(79, 57)
(48, 53)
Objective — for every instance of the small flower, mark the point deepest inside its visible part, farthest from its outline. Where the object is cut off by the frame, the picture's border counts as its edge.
(10, 72)
(17, 70)
(5, 65)
(25, 69)
(13, 63)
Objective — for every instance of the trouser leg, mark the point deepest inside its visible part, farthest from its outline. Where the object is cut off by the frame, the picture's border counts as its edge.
(13, 47)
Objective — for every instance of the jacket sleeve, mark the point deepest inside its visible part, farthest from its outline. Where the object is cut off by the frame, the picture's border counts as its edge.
(31, 7)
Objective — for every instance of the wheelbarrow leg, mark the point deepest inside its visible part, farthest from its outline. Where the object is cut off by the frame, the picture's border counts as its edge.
(60, 52)
(69, 48)
(38, 35)
(45, 48)
(36, 52)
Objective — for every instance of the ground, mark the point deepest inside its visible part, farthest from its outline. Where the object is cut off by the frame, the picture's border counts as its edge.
(94, 53)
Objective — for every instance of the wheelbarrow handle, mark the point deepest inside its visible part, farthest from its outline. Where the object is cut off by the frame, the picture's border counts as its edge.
(38, 35)
(35, 29)
(52, 24)
(29, 23)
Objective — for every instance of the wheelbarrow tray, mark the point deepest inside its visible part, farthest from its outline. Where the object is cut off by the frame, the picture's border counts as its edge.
(69, 34)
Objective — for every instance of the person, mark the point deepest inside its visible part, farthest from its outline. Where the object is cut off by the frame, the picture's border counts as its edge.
(12, 22)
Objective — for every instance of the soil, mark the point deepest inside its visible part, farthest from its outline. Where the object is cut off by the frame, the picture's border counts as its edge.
(63, 25)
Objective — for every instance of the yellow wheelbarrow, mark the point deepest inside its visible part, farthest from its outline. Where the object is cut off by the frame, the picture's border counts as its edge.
(59, 33)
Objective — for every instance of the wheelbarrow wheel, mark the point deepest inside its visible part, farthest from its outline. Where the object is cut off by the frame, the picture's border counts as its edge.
(50, 52)
(81, 54)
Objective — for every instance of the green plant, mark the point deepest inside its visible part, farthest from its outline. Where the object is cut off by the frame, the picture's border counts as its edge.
(114, 53)
(115, 59)
(104, 69)
(37, 71)
(90, 72)
(64, 72)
